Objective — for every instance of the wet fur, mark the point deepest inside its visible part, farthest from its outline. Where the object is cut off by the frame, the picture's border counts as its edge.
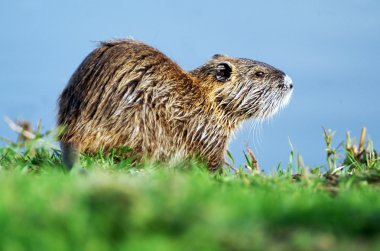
(126, 93)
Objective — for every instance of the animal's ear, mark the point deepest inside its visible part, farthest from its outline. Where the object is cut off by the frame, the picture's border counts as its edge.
(223, 72)
(216, 56)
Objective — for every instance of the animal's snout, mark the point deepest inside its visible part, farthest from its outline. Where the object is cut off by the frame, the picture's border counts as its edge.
(288, 82)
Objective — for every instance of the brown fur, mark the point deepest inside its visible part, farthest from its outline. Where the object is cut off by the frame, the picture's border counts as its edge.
(126, 93)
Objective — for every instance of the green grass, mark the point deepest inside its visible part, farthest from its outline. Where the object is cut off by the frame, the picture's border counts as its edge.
(119, 205)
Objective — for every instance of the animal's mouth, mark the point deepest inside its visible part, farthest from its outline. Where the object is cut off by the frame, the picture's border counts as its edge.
(278, 99)
(287, 89)
(285, 101)
(287, 85)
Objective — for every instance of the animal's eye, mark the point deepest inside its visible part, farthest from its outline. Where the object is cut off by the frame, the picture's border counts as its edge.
(223, 72)
(259, 74)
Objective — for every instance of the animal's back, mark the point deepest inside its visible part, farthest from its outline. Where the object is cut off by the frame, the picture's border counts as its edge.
(124, 93)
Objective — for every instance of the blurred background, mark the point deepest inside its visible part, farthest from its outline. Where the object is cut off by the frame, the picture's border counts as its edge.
(331, 49)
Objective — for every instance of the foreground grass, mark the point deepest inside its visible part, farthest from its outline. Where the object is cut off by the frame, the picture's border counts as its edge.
(117, 205)
(184, 210)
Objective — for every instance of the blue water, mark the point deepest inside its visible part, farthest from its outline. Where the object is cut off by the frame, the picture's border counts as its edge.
(331, 49)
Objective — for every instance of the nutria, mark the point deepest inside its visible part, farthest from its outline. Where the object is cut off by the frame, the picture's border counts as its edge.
(126, 93)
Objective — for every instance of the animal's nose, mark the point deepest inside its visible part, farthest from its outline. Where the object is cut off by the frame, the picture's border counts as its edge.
(288, 82)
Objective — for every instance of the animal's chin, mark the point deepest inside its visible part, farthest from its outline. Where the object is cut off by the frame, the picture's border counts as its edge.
(286, 100)
(276, 105)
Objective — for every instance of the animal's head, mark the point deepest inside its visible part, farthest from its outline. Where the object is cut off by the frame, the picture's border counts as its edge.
(243, 88)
